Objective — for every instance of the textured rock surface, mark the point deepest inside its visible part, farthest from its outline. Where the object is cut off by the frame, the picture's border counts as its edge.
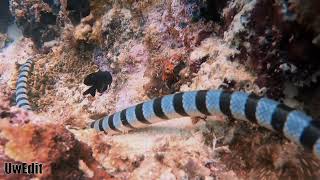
(36, 19)
(152, 48)
(42, 20)
(276, 45)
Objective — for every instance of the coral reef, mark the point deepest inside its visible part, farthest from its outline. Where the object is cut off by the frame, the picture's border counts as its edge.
(153, 48)
(42, 20)
(53, 146)
(277, 45)
(77, 9)
(49, 144)
(36, 19)
(4, 41)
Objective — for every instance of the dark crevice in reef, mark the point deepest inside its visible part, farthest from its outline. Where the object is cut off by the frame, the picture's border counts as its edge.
(54, 4)
(47, 18)
(78, 9)
(208, 10)
(5, 16)
(281, 47)
(39, 33)
(212, 9)
(311, 96)
(39, 24)
(43, 24)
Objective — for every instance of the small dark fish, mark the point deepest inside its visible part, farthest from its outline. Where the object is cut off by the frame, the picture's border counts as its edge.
(99, 81)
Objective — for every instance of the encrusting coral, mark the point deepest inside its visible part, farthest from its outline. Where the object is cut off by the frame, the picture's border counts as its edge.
(53, 146)
(154, 48)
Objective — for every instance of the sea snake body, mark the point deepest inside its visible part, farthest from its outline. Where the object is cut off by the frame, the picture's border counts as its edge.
(293, 124)
(21, 89)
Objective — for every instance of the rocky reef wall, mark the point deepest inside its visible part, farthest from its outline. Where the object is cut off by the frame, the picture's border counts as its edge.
(42, 20)
(154, 48)
(277, 45)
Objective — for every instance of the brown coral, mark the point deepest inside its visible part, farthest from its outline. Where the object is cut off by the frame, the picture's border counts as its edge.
(53, 146)
(169, 66)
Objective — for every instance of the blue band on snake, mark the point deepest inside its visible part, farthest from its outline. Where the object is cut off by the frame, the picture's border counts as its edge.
(21, 88)
(293, 124)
